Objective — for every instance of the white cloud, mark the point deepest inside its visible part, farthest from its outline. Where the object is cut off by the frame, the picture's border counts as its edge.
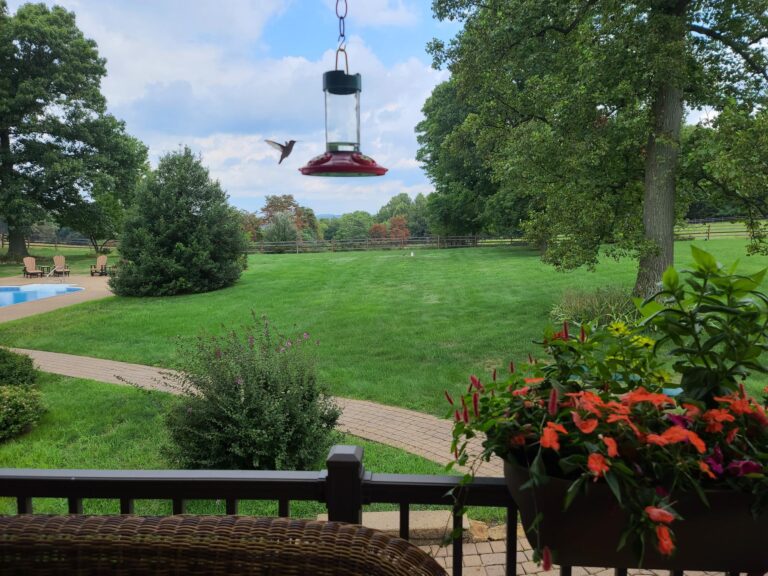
(185, 73)
(380, 13)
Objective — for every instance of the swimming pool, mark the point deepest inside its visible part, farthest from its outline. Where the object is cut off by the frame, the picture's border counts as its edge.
(10, 295)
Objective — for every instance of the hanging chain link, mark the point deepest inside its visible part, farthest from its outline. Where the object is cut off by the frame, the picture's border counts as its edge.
(341, 13)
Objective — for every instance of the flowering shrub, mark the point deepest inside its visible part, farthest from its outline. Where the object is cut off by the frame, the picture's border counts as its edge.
(250, 400)
(596, 411)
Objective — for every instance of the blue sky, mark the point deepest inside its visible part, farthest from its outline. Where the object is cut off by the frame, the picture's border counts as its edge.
(221, 76)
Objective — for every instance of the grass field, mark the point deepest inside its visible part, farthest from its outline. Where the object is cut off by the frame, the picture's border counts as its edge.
(392, 328)
(102, 426)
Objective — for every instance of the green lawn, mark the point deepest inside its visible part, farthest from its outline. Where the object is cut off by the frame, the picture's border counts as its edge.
(79, 259)
(392, 328)
(104, 426)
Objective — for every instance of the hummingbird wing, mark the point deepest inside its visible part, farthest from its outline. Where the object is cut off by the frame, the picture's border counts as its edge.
(275, 145)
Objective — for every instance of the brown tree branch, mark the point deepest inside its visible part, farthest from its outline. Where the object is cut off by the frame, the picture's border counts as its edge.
(736, 47)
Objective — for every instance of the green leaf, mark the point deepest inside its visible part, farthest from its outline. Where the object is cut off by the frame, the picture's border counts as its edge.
(670, 278)
(613, 484)
(704, 259)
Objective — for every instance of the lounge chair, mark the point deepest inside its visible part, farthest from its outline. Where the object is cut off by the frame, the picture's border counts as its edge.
(232, 545)
(60, 267)
(30, 268)
(100, 268)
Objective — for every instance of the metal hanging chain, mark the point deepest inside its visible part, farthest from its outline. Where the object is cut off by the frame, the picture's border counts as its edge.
(341, 13)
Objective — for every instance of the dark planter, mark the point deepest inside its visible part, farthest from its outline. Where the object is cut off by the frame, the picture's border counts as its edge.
(724, 537)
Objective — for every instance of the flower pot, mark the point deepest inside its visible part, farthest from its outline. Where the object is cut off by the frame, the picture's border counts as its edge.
(723, 537)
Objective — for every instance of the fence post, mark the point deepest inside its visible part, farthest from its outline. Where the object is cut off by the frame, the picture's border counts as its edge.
(344, 487)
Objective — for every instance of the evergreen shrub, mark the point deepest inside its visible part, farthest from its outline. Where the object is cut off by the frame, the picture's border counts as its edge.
(16, 369)
(180, 236)
(20, 409)
(250, 399)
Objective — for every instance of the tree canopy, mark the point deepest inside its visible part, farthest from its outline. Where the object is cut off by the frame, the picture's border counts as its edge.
(181, 236)
(576, 108)
(58, 146)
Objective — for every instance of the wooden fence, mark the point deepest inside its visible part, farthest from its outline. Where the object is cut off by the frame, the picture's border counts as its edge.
(436, 242)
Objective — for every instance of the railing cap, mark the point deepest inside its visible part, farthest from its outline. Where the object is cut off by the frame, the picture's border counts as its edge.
(345, 454)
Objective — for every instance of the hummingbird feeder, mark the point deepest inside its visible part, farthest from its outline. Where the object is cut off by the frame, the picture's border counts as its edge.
(342, 155)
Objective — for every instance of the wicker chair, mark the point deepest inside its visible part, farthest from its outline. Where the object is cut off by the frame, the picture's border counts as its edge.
(39, 545)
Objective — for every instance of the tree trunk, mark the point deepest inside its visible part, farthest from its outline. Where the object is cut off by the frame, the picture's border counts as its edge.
(661, 160)
(17, 245)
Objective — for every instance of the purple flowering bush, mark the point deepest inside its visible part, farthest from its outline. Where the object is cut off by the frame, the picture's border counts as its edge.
(250, 399)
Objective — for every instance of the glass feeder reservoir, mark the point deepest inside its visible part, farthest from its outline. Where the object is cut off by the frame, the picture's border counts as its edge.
(342, 131)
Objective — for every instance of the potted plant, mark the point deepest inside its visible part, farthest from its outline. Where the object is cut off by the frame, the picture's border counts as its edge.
(607, 464)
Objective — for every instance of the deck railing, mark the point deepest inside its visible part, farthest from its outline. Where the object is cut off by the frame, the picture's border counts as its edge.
(345, 486)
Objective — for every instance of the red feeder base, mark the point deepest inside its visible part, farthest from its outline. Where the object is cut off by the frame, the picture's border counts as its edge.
(342, 164)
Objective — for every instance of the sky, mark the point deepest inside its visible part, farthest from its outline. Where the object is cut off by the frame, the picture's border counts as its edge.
(222, 76)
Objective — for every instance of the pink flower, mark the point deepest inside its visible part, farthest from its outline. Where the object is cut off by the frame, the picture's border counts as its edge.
(743, 467)
(552, 405)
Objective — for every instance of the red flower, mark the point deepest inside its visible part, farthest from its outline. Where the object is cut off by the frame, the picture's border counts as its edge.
(582, 335)
(731, 435)
(521, 391)
(493, 376)
(475, 382)
(448, 397)
(587, 426)
(552, 405)
(549, 438)
(666, 546)
(610, 443)
(475, 401)
(588, 401)
(533, 380)
(597, 464)
(546, 558)
(715, 418)
(659, 515)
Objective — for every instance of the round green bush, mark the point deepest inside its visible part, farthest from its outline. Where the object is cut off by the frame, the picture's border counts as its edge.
(16, 369)
(20, 409)
(250, 401)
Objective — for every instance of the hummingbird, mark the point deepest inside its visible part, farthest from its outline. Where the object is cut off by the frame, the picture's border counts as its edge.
(285, 149)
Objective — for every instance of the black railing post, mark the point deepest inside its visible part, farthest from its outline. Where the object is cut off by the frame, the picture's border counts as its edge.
(344, 486)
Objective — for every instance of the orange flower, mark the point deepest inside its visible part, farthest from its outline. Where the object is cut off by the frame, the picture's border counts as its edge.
(659, 515)
(610, 443)
(597, 464)
(521, 391)
(675, 434)
(731, 435)
(715, 418)
(533, 380)
(737, 404)
(666, 546)
(517, 440)
(623, 418)
(549, 438)
(704, 467)
(642, 395)
(691, 410)
(656, 439)
(587, 426)
(587, 401)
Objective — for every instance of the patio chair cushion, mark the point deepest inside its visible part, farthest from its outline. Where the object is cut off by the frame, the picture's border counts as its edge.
(231, 545)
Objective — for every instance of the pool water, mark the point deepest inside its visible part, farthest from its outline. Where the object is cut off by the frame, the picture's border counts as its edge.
(10, 295)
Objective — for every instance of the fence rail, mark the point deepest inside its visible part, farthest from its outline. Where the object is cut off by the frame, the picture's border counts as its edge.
(357, 244)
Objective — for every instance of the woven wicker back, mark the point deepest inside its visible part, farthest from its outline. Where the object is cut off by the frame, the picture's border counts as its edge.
(213, 545)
